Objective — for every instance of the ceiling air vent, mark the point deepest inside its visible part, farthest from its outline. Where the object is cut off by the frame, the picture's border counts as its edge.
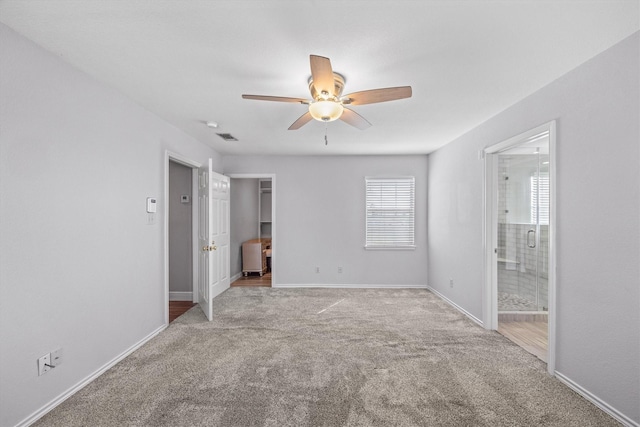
(227, 136)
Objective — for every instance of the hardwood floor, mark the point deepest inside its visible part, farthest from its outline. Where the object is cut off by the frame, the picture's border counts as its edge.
(178, 308)
(254, 280)
(532, 336)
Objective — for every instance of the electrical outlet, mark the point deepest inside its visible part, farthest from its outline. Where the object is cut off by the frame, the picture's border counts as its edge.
(44, 364)
(317, 269)
(451, 283)
(339, 269)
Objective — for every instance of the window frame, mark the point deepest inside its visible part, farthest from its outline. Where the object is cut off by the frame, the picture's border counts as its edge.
(400, 244)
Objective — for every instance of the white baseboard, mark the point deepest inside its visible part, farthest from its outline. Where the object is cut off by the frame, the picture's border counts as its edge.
(235, 277)
(626, 421)
(347, 285)
(456, 306)
(74, 389)
(180, 296)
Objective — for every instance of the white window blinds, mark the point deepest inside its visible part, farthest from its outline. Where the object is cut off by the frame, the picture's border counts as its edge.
(540, 198)
(390, 212)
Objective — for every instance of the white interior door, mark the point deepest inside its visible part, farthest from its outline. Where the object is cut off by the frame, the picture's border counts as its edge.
(219, 232)
(213, 236)
(205, 254)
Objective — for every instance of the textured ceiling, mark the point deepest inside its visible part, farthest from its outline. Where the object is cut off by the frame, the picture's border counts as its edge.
(190, 61)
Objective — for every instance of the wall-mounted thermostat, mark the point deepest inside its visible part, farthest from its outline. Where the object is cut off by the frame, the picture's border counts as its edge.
(184, 198)
(151, 204)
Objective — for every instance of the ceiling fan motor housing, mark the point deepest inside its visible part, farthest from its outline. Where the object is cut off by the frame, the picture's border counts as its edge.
(338, 80)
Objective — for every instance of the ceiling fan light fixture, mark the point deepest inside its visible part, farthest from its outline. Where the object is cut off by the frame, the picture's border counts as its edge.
(325, 110)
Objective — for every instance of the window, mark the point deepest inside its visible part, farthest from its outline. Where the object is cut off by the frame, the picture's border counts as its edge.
(540, 198)
(390, 213)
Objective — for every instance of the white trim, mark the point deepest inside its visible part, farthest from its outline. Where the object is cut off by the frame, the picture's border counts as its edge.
(250, 175)
(489, 292)
(489, 241)
(82, 383)
(181, 296)
(619, 416)
(551, 298)
(274, 269)
(456, 306)
(515, 140)
(195, 209)
(185, 161)
(348, 286)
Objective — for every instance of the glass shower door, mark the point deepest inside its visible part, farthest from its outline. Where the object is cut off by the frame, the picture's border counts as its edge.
(523, 230)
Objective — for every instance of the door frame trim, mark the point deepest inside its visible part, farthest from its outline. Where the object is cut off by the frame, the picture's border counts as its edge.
(490, 304)
(185, 161)
(272, 176)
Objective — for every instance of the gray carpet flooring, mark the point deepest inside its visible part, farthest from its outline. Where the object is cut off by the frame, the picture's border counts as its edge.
(327, 357)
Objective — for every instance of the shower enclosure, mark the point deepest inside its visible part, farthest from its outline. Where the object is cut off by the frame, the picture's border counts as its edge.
(523, 229)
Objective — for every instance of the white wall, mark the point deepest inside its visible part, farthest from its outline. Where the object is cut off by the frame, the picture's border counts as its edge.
(598, 207)
(244, 218)
(81, 269)
(320, 218)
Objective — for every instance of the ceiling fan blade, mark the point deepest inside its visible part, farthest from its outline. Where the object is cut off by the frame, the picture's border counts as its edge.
(354, 119)
(377, 95)
(322, 74)
(302, 120)
(276, 98)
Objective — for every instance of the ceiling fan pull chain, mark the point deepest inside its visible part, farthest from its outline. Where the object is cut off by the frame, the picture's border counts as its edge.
(326, 126)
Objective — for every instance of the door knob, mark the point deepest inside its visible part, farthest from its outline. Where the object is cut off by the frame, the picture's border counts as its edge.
(209, 248)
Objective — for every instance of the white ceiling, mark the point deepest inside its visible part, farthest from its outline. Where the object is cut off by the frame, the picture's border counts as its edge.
(190, 61)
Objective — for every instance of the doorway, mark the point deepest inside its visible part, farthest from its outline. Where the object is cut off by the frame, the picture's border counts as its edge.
(523, 245)
(253, 230)
(180, 234)
(519, 214)
(180, 203)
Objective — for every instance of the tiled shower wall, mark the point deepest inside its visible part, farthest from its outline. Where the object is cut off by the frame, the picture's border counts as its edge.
(517, 264)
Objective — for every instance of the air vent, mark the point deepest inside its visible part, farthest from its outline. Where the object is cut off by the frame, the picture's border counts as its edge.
(227, 136)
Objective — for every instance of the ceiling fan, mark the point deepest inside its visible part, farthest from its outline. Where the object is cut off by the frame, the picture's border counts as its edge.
(328, 104)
